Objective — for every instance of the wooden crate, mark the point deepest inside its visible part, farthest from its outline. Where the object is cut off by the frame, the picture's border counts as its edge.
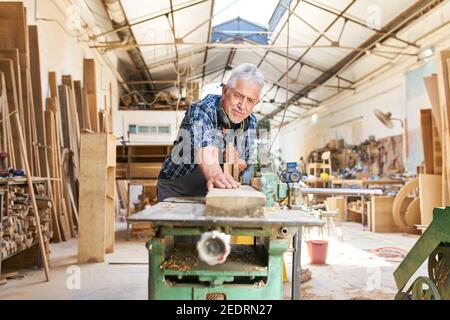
(381, 214)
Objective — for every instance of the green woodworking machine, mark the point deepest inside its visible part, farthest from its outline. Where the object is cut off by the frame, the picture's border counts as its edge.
(193, 256)
(433, 245)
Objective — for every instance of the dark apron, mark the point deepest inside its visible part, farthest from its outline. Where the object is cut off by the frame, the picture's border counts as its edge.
(191, 185)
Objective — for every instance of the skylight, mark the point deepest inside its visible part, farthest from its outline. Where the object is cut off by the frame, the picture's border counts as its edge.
(258, 12)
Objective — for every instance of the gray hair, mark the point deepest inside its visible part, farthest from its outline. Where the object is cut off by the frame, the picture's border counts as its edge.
(248, 72)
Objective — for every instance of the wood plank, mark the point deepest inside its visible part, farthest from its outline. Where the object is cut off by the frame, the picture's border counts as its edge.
(437, 148)
(33, 129)
(242, 201)
(49, 132)
(431, 84)
(78, 91)
(412, 215)
(427, 139)
(7, 67)
(430, 192)
(65, 122)
(55, 168)
(90, 84)
(13, 33)
(444, 100)
(87, 117)
(13, 54)
(53, 84)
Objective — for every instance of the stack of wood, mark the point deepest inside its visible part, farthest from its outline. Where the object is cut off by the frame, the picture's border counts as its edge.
(51, 129)
(19, 223)
(19, 61)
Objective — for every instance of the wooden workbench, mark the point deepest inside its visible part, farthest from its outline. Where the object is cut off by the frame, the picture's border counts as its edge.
(365, 183)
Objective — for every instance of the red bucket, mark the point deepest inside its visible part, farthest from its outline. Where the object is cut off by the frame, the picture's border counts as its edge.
(318, 251)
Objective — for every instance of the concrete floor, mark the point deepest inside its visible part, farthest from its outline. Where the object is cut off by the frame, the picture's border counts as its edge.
(351, 271)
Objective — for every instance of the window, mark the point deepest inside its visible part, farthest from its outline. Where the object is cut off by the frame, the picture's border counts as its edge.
(164, 129)
(132, 129)
(149, 129)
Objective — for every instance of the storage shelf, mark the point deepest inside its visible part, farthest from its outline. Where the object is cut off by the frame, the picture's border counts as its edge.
(18, 252)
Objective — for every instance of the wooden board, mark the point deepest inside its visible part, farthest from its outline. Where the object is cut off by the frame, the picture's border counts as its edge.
(35, 68)
(90, 84)
(7, 67)
(54, 162)
(444, 101)
(427, 139)
(241, 201)
(138, 170)
(431, 84)
(13, 26)
(430, 188)
(78, 91)
(412, 215)
(382, 219)
(437, 148)
(13, 54)
(401, 203)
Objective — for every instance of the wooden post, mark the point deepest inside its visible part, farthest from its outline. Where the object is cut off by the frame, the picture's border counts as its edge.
(33, 197)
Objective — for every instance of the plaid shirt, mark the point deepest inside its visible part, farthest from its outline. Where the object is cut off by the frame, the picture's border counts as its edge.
(199, 129)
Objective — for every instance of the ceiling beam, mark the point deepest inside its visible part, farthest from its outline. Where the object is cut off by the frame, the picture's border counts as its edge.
(126, 33)
(211, 13)
(348, 18)
(299, 60)
(158, 15)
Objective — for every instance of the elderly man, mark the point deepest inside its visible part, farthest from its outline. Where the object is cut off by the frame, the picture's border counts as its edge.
(193, 167)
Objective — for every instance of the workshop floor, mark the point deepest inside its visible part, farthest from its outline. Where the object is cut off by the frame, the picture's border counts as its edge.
(351, 271)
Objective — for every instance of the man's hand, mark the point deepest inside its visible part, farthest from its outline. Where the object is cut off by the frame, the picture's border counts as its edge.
(222, 181)
(208, 161)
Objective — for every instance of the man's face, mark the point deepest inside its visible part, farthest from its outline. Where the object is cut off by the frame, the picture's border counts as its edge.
(239, 102)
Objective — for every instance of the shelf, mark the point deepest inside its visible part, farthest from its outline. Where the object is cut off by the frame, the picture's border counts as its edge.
(355, 211)
(18, 252)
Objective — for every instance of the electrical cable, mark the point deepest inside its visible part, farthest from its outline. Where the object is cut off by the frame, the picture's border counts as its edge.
(287, 82)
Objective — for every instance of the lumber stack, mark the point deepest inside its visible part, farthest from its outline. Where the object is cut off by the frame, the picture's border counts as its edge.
(15, 44)
(51, 125)
(19, 223)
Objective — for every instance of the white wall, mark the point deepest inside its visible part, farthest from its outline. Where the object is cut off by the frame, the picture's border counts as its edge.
(337, 121)
(385, 91)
